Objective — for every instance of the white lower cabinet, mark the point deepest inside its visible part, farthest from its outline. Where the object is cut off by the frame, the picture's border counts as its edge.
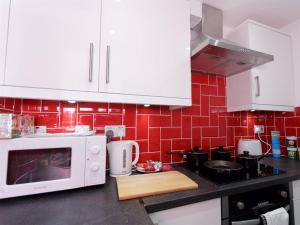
(207, 212)
(296, 201)
(296, 212)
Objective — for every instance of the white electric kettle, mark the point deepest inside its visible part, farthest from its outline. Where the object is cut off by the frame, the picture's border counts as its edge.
(120, 157)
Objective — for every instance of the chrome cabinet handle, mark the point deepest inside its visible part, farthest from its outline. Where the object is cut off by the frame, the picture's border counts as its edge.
(91, 62)
(257, 94)
(107, 63)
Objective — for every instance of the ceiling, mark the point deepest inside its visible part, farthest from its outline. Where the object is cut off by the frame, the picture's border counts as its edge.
(276, 13)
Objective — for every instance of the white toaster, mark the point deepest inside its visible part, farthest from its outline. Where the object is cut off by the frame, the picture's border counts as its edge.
(253, 146)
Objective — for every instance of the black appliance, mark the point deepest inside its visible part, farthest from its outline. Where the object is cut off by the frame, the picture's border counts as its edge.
(247, 207)
(242, 175)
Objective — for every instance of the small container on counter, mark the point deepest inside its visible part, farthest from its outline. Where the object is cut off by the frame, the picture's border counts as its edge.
(291, 142)
(292, 153)
(276, 144)
(292, 147)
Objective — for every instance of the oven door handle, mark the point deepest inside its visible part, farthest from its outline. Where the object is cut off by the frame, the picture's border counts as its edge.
(247, 222)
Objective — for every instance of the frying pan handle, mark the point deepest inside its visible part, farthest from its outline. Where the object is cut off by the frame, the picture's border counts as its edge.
(260, 157)
(176, 153)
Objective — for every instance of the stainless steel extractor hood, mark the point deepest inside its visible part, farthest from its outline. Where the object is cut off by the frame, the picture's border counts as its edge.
(212, 54)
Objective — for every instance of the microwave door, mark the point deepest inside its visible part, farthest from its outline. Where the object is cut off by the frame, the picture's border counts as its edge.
(37, 165)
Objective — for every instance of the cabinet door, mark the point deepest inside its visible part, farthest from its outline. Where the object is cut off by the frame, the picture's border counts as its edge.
(296, 212)
(145, 46)
(194, 214)
(54, 44)
(4, 11)
(273, 83)
(296, 190)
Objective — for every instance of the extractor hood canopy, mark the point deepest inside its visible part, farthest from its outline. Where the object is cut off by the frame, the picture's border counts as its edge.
(212, 54)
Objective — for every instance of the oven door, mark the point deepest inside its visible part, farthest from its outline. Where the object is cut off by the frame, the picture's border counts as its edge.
(258, 221)
(37, 165)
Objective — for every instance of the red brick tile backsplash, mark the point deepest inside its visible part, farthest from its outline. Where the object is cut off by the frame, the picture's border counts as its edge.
(159, 130)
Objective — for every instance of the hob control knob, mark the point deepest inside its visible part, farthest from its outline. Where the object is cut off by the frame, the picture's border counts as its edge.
(95, 150)
(283, 194)
(95, 167)
(240, 205)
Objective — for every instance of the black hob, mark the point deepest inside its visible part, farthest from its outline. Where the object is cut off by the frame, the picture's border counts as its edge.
(263, 171)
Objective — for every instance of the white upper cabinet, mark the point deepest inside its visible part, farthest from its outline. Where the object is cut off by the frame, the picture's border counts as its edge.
(54, 44)
(4, 12)
(269, 86)
(145, 48)
(53, 50)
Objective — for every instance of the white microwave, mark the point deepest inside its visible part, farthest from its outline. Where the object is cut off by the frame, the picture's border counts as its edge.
(45, 164)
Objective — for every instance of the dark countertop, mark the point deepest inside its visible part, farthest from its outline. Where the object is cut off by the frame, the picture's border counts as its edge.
(99, 205)
(87, 206)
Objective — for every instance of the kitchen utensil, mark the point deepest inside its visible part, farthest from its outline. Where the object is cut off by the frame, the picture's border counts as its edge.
(249, 162)
(120, 157)
(223, 170)
(253, 146)
(194, 158)
(220, 154)
(151, 184)
(222, 165)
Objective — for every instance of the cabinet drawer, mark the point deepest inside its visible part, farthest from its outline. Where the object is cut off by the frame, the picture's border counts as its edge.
(193, 214)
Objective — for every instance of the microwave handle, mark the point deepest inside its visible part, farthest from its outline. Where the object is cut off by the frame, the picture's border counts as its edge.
(247, 222)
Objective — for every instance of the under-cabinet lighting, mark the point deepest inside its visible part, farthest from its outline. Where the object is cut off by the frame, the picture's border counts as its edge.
(146, 105)
(72, 102)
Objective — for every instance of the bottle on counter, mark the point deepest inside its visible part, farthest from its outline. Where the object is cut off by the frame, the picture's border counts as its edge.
(292, 147)
(276, 144)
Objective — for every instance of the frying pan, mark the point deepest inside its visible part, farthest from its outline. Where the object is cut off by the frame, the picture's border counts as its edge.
(223, 171)
(223, 166)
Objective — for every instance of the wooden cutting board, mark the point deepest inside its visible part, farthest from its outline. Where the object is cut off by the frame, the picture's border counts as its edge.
(151, 184)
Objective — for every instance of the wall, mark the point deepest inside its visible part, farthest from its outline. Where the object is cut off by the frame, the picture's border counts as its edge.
(294, 30)
(159, 130)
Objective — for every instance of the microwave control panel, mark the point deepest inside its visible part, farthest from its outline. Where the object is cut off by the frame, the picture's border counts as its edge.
(95, 166)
